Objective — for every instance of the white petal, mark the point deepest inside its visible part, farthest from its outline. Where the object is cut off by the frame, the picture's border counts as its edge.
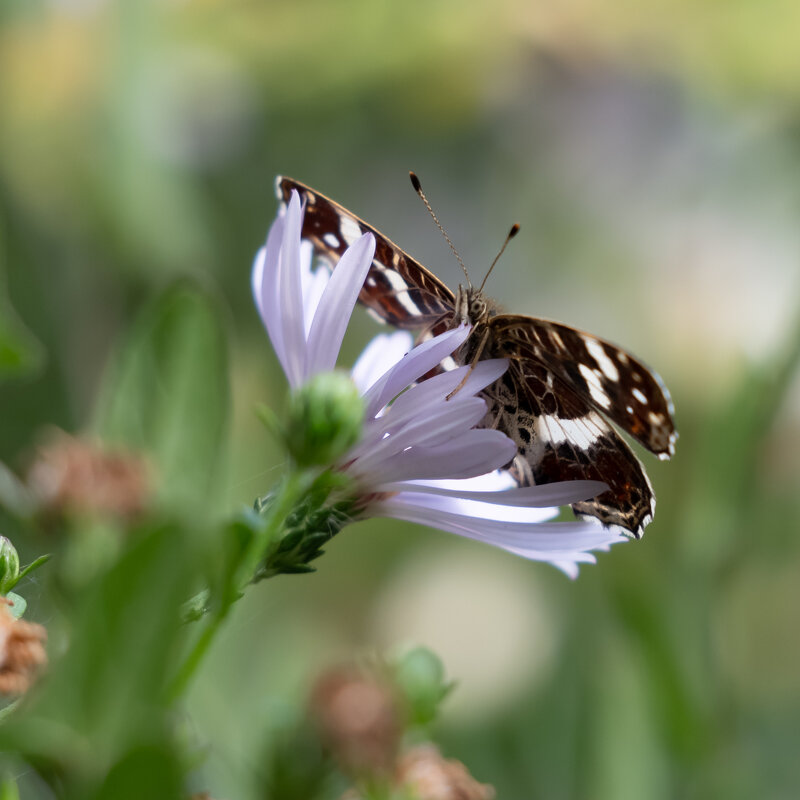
(434, 430)
(490, 482)
(382, 353)
(557, 541)
(453, 504)
(474, 453)
(336, 305)
(313, 284)
(420, 360)
(265, 281)
(290, 294)
(435, 390)
(549, 494)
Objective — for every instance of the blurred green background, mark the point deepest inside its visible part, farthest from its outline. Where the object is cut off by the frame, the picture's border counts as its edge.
(651, 154)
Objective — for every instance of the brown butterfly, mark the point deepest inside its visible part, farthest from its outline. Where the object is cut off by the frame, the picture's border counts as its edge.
(560, 386)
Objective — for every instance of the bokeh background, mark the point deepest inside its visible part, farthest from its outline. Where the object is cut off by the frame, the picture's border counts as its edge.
(651, 154)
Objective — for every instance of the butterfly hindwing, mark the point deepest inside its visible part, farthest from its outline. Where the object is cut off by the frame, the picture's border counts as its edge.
(612, 380)
(560, 437)
(398, 289)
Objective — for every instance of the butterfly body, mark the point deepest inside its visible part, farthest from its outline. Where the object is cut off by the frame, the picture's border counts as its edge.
(561, 384)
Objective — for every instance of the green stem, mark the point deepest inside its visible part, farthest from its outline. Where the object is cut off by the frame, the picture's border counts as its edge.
(287, 497)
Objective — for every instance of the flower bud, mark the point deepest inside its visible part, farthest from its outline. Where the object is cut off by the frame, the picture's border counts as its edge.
(9, 566)
(419, 674)
(325, 416)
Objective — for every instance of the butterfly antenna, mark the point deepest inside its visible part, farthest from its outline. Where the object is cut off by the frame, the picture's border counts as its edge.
(418, 189)
(511, 234)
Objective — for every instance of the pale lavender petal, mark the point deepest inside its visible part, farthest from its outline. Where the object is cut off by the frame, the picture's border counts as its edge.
(291, 296)
(419, 430)
(382, 353)
(336, 305)
(313, 284)
(420, 360)
(548, 494)
(265, 280)
(474, 453)
(496, 481)
(471, 508)
(558, 540)
(434, 390)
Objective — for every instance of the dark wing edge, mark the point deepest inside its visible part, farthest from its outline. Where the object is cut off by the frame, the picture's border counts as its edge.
(613, 381)
(398, 290)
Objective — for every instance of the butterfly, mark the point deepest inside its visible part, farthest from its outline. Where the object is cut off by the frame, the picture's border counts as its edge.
(561, 388)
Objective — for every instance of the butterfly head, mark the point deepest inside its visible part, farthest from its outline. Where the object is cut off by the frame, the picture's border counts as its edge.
(472, 306)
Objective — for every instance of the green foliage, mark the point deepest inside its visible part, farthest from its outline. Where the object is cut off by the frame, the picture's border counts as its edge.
(20, 354)
(167, 394)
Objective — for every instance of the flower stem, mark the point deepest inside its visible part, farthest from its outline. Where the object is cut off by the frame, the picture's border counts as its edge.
(295, 485)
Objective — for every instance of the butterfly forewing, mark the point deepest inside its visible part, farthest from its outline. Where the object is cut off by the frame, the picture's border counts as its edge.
(613, 381)
(559, 384)
(398, 289)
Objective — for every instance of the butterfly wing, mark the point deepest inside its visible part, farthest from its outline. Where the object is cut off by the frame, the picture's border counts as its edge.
(560, 437)
(608, 378)
(398, 290)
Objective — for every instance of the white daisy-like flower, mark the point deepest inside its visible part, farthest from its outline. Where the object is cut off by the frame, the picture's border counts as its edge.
(420, 457)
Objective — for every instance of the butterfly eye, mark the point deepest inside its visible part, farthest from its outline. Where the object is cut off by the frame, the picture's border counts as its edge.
(477, 308)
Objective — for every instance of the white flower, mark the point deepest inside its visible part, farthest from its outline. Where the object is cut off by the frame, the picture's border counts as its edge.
(420, 458)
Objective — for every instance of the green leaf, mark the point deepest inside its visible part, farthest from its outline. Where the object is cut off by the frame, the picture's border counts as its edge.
(8, 789)
(34, 565)
(152, 772)
(20, 352)
(167, 393)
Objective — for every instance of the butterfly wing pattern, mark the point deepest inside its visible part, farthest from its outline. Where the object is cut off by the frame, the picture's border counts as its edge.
(398, 290)
(560, 386)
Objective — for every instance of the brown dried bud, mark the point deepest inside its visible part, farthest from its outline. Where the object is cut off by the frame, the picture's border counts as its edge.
(359, 721)
(22, 652)
(69, 475)
(431, 777)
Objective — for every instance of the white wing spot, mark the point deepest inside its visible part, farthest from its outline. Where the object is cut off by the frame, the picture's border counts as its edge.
(557, 431)
(331, 239)
(629, 409)
(349, 229)
(655, 419)
(595, 387)
(400, 288)
(640, 396)
(598, 353)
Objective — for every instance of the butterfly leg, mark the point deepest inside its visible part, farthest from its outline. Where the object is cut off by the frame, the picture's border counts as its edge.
(475, 359)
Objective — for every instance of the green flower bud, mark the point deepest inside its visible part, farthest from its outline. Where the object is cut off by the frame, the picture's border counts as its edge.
(419, 674)
(9, 566)
(325, 416)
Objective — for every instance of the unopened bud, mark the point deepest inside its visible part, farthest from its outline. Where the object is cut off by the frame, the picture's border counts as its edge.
(325, 416)
(9, 566)
(419, 674)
